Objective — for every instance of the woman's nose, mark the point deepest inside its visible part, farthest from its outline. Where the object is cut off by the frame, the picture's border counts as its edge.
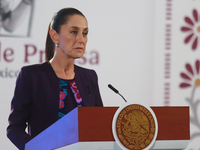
(80, 38)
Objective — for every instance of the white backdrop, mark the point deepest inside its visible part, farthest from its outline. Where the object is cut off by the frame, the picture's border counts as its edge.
(125, 48)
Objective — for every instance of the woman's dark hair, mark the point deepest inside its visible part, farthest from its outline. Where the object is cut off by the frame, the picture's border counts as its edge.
(60, 18)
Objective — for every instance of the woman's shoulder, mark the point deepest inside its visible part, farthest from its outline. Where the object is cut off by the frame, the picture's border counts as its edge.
(83, 70)
(85, 73)
(37, 67)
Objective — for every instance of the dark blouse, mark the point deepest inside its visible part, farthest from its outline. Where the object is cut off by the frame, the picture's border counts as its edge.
(67, 100)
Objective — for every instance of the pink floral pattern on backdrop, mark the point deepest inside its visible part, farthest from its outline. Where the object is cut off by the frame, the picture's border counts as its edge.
(192, 28)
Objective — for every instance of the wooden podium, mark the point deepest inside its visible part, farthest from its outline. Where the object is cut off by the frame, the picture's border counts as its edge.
(90, 128)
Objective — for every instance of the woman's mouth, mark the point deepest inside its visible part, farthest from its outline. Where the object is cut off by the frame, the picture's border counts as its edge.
(79, 48)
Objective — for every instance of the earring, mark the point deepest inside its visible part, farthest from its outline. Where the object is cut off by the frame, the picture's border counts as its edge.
(56, 44)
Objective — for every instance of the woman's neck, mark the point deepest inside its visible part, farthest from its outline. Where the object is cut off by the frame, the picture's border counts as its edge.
(64, 69)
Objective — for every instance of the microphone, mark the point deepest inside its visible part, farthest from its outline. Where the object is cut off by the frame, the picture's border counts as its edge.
(116, 91)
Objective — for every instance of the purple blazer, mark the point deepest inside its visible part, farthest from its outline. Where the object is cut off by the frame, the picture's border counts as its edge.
(36, 100)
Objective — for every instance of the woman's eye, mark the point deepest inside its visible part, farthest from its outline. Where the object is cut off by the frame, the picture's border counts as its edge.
(74, 32)
(85, 33)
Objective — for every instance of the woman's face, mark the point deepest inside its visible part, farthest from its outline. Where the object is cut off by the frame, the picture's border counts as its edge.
(73, 36)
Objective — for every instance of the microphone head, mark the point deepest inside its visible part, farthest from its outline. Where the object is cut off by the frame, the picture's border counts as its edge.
(112, 88)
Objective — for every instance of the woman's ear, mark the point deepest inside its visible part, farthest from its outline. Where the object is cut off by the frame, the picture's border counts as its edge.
(54, 35)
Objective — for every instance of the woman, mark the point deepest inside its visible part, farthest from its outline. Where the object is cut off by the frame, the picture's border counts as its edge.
(46, 92)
